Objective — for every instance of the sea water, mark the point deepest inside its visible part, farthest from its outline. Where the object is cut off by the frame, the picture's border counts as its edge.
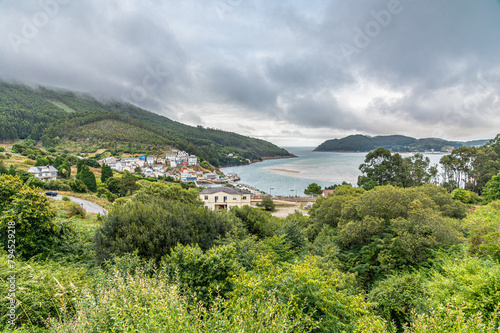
(291, 176)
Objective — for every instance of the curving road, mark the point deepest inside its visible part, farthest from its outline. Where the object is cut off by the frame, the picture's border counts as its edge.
(88, 206)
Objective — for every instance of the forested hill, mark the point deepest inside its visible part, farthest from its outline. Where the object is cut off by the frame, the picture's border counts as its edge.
(397, 143)
(44, 114)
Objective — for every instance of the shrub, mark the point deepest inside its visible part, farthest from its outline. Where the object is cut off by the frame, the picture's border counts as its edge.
(65, 198)
(35, 182)
(484, 230)
(390, 228)
(78, 186)
(56, 185)
(30, 213)
(103, 192)
(43, 290)
(471, 284)
(452, 319)
(325, 295)
(399, 297)
(256, 222)
(118, 304)
(268, 204)
(467, 197)
(202, 274)
(156, 226)
(492, 189)
(74, 209)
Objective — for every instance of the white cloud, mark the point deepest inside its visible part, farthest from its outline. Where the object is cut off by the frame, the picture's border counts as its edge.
(271, 69)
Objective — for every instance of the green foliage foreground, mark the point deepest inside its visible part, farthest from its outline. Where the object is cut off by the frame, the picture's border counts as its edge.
(386, 260)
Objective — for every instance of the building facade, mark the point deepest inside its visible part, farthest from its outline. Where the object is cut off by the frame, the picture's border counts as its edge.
(44, 173)
(217, 198)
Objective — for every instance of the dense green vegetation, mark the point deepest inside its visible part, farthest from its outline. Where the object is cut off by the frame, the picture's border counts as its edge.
(398, 143)
(468, 171)
(389, 259)
(397, 254)
(52, 116)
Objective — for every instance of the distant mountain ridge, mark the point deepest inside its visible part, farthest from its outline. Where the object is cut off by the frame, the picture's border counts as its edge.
(396, 143)
(45, 114)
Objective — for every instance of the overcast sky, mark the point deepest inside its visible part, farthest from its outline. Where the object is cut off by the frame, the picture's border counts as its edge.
(291, 72)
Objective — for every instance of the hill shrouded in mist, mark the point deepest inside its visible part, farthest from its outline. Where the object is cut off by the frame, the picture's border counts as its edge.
(44, 114)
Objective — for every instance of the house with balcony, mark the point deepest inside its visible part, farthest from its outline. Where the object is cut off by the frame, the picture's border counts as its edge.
(192, 160)
(44, 173)
(217, 198)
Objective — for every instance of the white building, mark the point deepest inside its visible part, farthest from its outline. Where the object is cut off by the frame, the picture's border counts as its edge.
(216, 198)
(44, 173)
(170, 156)
(151, 160)
(192, 160)
(188, 177)
(211, 176)
(118, 166)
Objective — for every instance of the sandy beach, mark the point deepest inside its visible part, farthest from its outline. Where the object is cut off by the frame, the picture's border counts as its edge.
(285, 170)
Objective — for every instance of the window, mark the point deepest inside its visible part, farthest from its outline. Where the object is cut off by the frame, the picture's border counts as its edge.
(216, 199)
(244, 197)
(206, 197)
(225, 199)
(235, 198)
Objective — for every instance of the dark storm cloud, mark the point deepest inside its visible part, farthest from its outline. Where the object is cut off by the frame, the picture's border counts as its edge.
(420, 68)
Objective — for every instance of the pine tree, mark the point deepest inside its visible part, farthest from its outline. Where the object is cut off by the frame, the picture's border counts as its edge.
(87, 177)
(106, 172)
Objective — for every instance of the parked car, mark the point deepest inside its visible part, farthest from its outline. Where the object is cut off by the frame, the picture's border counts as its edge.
(51, 193)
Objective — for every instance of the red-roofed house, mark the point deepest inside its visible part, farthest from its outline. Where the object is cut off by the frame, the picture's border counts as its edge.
(326, 193)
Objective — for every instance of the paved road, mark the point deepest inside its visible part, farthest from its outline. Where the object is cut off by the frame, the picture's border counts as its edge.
(88, 206)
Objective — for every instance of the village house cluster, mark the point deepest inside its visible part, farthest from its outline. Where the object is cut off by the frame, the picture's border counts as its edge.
(177, 164)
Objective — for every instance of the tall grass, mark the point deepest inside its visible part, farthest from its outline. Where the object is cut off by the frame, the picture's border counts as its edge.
(137, 303)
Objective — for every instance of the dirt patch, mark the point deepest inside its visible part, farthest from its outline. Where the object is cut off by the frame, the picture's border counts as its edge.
(285, 170)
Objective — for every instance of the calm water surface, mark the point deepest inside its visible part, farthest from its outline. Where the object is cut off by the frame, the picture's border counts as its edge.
(322, 168)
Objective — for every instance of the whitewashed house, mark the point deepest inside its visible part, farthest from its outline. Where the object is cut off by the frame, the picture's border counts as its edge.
(118, 166)
(44, 173)
(170, 156)
(192, 160)
(211, 176)
(151, 160)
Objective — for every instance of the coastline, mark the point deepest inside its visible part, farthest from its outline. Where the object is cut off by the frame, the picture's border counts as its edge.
(279, 157)
(255, 161)
(399, 152)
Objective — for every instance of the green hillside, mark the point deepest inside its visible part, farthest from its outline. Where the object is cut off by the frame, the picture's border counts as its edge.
(42, 114)
(399, 143)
